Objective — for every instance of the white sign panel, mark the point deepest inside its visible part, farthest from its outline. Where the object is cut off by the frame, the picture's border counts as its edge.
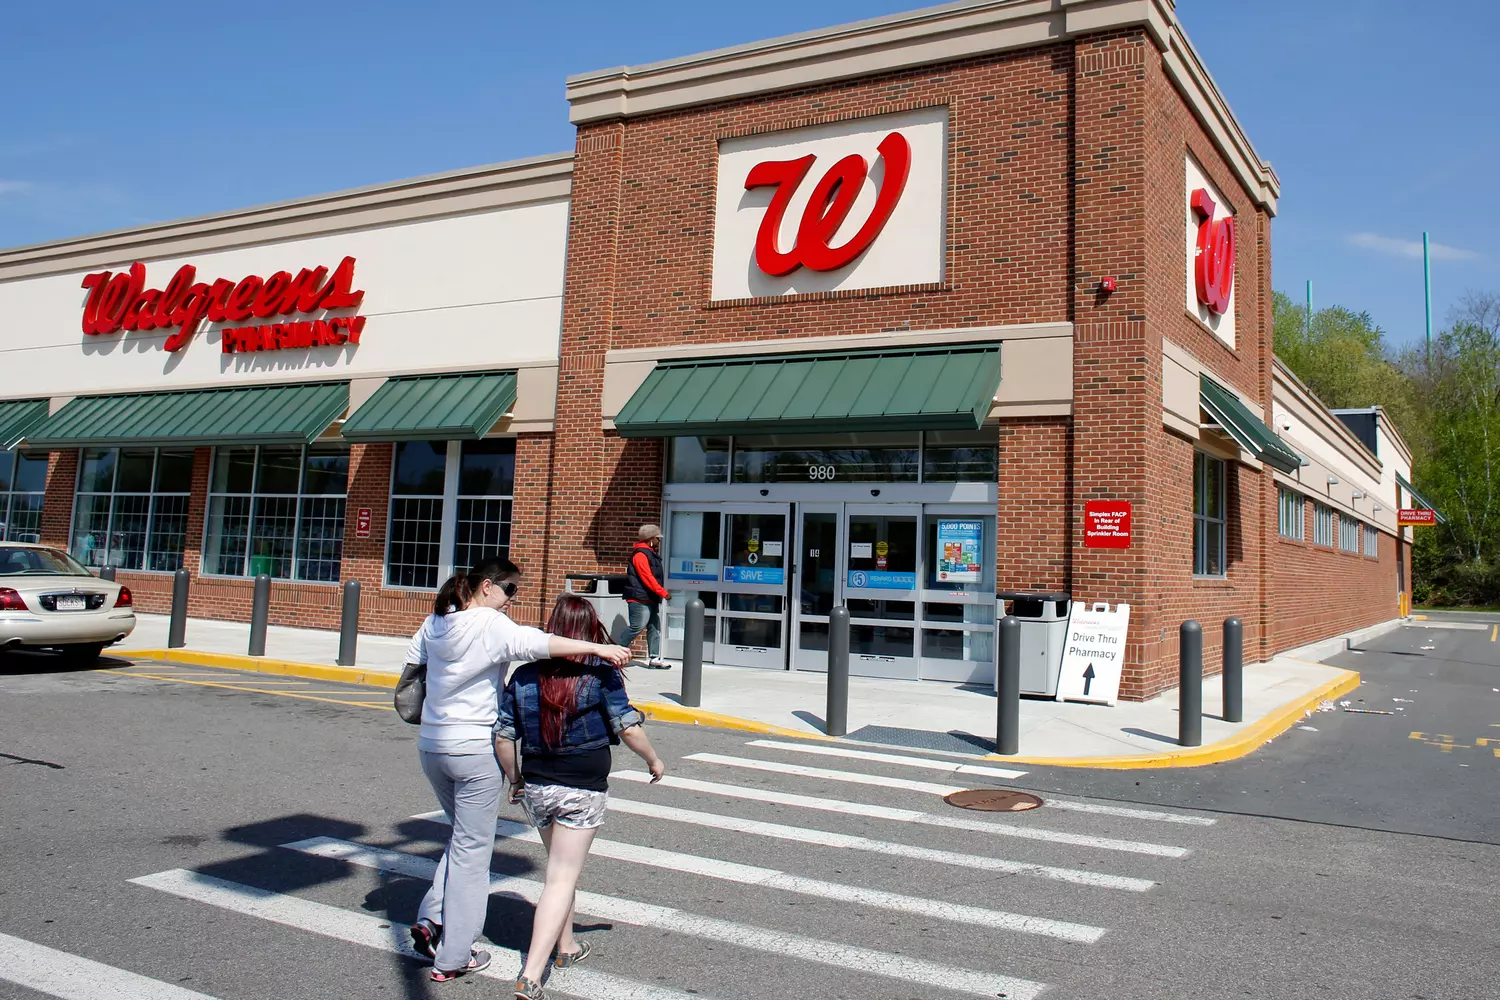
(855, 204)
(861, 550)
(1094, 654)
(1222, 324)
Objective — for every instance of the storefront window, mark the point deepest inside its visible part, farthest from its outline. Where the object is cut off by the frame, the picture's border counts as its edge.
(933, 457)
(277, 510)
(960, 456)
(130, 510)
(23, 480)
(837, 458)
(1208, 515)
(450, 507)
(699, 460)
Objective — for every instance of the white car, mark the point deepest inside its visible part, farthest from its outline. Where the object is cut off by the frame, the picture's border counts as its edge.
(48, 600)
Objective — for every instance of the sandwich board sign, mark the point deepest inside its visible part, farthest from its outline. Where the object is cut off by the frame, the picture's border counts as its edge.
(1094, 653)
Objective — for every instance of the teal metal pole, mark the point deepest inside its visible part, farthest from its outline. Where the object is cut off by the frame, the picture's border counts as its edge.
(1427, 282)
(1308, 317)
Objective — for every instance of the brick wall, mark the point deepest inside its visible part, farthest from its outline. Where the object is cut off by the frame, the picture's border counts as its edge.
(1316, 591)
(1034, 503)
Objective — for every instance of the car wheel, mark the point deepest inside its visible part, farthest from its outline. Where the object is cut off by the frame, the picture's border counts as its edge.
(84, 654)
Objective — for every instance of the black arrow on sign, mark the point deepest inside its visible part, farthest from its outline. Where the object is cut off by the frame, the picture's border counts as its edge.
(1088, 679)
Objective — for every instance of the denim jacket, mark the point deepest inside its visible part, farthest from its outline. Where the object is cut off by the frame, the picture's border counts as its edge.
(603, 712)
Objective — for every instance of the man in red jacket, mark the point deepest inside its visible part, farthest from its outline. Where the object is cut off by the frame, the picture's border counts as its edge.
(644, 593)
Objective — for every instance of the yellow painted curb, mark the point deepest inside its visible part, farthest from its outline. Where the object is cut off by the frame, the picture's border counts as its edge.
(1230, 748)
(265, 665)
(667, 712)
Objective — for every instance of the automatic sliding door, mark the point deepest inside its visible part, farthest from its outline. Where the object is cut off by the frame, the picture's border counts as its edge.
(816, 590)
(880, 588)
(752, 596)
(693, 559)
(958, 594)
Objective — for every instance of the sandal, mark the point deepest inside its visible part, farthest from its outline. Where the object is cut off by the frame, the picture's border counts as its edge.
(478, 963)
(527, 990)
(424, 938)
(563, 959)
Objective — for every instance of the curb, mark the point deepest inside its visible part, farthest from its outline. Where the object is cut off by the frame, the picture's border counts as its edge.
(1230, 748)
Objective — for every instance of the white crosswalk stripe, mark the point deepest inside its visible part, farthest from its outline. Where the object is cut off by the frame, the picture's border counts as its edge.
(954, 767)
(70, 977)
(906, 815)
(371, 931)
(770, 878)
(852, 958)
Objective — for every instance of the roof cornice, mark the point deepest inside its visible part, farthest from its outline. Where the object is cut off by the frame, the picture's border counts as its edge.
(922, 37)
(540, 178)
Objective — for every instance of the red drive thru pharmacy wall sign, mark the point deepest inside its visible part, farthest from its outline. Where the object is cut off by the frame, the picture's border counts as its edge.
(1411, 516)
(1106, 524)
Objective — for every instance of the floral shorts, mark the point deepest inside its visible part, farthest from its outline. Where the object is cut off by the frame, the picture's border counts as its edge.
(578, 808)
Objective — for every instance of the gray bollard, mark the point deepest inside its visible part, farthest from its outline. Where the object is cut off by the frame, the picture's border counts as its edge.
(1190, 685)
(692, 654)
(1234, 670)
(1008, 688)
(836, 721)
(177, 627)
(107, 573)
(260, 610)
(349, 625)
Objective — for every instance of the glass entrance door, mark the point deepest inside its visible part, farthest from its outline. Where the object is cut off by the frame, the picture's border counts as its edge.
(752, 594)
(816, 587)
(880, 588)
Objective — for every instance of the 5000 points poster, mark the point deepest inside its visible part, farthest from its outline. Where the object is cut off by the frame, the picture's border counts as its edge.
(959, 543)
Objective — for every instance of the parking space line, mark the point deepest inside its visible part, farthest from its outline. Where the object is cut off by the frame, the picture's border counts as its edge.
(384, 706)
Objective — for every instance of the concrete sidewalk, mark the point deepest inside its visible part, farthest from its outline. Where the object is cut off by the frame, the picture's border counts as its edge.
(910, 714)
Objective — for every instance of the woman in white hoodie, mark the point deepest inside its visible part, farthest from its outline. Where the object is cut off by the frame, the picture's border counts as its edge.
(468, 644)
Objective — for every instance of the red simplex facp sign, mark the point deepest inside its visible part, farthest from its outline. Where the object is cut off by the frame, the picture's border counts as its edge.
(1213, 271)
(123, 302)
(1412, 516)
(362, 523)
(1106, 524)
(831, 201)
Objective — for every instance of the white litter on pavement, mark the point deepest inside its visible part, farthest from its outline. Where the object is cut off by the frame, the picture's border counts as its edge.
(1311, 729)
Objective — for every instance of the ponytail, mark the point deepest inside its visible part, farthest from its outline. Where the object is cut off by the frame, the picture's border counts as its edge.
(458, 590)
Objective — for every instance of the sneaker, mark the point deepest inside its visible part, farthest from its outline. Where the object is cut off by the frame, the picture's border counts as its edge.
(527, 990)
(424, 938)
(657, 663)
(478, 963)
(563, 959)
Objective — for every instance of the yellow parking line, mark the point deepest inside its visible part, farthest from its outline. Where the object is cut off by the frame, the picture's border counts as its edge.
(1494, 631)
(384, 707)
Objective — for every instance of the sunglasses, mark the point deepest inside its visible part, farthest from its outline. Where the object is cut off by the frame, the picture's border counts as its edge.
(510, 589)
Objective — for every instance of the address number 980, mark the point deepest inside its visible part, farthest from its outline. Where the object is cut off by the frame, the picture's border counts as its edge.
(822, 472)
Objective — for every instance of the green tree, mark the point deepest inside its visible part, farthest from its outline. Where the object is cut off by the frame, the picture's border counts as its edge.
(1343, 358)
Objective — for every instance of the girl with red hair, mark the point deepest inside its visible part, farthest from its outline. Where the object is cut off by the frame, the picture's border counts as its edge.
(566, 713)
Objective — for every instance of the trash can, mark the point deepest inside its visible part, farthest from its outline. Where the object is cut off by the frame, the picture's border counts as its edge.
(1044, 632)
(606, 592)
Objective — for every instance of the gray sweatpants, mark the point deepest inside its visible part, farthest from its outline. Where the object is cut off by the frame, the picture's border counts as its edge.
(468, 788)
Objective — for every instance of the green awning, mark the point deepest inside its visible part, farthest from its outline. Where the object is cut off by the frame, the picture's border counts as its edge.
(272, 414)
(17, 416)
(1248, 430)
(1420, 500)
(945, 388)
(433, 407)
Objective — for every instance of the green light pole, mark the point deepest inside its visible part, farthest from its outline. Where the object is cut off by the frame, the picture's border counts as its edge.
(1427, 282)
(1308, 317)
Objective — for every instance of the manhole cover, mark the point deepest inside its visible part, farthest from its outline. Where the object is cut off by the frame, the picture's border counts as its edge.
(993, 800)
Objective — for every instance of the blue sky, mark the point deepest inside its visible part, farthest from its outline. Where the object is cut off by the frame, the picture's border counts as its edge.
(1381, 116)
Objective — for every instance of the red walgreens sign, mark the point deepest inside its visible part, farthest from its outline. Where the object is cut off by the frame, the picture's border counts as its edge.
(829, 206)
(1410, 516)
(1213, 270)
(123, 302)
(1106, 524)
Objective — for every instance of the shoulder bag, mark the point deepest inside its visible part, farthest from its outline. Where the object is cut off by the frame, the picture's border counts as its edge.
(411, 691)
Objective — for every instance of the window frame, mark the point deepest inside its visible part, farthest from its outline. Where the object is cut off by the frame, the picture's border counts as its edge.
(922, 447)
(1208, 522)
(1324, 530)
(448, 506)
(299, 500)
(9, 494)
(1372, 542)
(114, 493)
(1349, 534)
(1291, 524)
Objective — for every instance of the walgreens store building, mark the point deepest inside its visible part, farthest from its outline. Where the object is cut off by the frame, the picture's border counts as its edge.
(893, 315)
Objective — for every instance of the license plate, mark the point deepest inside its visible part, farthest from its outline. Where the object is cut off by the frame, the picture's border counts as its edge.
(71, 604)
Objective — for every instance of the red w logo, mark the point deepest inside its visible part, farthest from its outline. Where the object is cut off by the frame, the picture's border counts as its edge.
(1213, 271)
(829, 206)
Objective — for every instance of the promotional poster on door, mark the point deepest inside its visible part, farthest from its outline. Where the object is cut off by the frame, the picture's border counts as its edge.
(959, 544)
